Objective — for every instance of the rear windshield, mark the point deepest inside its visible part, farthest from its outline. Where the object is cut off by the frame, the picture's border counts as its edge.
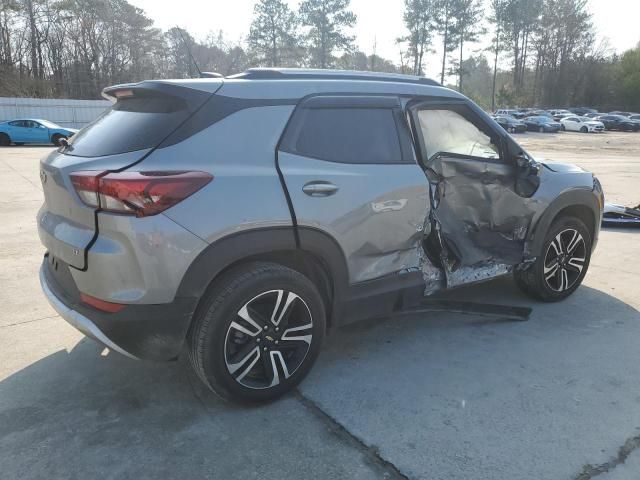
(134, 123)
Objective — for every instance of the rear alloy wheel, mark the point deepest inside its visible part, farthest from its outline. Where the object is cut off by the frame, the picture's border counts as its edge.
(5, 141)
(562, 264)
(259, 333)
(275, 329)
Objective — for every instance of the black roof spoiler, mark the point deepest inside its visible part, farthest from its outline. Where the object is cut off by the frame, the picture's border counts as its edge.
(193, 97)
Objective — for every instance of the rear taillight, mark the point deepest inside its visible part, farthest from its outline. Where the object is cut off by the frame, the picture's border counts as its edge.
(98, 304)
(137, 193)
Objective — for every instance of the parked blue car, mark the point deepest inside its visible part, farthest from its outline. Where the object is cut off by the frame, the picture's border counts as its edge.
(32, 130)
(542, 124)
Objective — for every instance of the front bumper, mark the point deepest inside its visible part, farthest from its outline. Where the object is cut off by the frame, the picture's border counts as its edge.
(150, 332)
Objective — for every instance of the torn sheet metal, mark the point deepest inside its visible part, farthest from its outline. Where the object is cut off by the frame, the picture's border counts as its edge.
(478, 273)
(480, 224)
(619, 216)
(481, 218)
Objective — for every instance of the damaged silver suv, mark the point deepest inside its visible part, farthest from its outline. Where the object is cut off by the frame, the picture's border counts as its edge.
(240, 218)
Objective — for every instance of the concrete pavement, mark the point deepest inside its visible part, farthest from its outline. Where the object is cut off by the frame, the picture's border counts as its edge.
(443, 397)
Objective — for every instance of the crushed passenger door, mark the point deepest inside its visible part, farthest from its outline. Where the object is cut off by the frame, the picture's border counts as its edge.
(479, 223)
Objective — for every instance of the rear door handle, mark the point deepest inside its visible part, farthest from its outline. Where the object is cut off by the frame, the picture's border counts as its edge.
(319, 189)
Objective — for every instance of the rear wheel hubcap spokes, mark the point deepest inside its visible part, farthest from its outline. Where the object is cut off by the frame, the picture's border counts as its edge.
(269, 339)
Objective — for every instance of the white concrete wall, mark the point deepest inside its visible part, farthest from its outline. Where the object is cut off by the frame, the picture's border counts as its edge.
(64, 112)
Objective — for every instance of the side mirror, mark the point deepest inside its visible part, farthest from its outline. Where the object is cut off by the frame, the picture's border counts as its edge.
(526, 165)
(527, 178)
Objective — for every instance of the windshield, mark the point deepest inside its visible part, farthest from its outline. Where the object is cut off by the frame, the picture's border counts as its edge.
(49, 124)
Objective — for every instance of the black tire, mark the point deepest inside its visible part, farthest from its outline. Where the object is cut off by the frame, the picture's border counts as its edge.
(5, 141)
(221, 341)
(563, 128)
(541, 129)
(56, 139)
(584, 130)
(570, 269)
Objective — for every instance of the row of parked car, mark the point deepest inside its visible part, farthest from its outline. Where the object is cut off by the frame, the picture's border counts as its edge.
(585, 120)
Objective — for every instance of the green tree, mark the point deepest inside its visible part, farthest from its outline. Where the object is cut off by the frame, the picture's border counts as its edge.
(496, 18)
(630, 78)
(327, 21)
(467, 19)
(445, 10)
(273, 33)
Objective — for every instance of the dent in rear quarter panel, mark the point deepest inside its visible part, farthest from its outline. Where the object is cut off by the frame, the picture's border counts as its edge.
(137, 260)
(239, 151)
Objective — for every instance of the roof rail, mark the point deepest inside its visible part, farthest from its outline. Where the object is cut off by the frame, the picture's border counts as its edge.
(318, 74)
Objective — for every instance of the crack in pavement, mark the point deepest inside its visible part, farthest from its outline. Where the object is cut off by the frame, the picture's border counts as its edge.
(590, 471)
(38, 187)
(371, 453)
(28, 321)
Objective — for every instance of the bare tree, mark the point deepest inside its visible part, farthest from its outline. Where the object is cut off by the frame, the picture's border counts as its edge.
(419, 18)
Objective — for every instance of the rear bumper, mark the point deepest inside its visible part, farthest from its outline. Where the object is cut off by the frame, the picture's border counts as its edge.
(150, 332)
(77, 320)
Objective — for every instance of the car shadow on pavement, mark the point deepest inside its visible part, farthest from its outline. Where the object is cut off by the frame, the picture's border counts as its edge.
(458, 396)
(85, 413)
(88, 412)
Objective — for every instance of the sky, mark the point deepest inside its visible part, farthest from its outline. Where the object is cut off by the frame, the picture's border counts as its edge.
(379, 22)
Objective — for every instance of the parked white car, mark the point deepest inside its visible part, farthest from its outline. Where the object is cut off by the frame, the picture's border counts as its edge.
(574, 123)
(558, 114)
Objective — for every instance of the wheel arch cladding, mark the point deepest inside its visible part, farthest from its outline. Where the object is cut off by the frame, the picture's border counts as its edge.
(319, 258)
(580, 203)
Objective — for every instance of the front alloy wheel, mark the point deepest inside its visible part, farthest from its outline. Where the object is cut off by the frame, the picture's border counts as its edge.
(564, 260)
(561, 264)
(269, 339)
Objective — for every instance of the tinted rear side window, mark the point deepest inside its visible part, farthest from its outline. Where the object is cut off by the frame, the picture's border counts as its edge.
(134, 123)
(346, 135)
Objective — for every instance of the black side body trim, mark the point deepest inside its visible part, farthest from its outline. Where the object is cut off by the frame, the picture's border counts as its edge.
(229, 250)
(151, 332)
(215, 109)
(578, 197)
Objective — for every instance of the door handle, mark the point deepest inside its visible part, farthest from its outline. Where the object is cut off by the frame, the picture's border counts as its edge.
(319, 189)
